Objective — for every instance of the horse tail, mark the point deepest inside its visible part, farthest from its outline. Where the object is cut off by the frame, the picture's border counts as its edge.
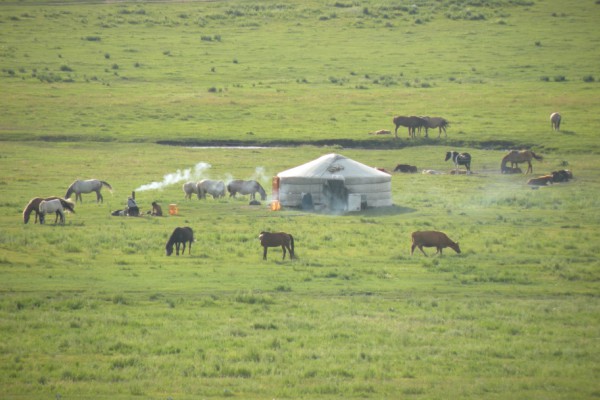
(291, 246)
(68, 204)
(539, 158)
(107, 185)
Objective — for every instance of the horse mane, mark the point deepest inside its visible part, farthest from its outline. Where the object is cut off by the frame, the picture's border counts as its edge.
(30, 207)
(71, 189)
(505, 160)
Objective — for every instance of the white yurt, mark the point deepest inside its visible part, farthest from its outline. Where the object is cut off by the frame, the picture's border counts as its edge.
(333, 182)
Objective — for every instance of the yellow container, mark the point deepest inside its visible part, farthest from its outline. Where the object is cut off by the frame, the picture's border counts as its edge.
(173, 210)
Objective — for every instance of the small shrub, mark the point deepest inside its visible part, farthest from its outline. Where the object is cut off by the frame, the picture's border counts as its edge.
(107, 56)
(588, 78)
(545, 79)
(538, 43)
(115, 66)
(212, 90)
(93, 38)
(66, 68)
(560, 78)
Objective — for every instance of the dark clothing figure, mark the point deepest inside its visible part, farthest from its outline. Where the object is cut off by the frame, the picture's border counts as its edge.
(132, 208)
(156, 209)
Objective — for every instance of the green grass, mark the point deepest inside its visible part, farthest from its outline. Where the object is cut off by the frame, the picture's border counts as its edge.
(298, 71)
(95, 308)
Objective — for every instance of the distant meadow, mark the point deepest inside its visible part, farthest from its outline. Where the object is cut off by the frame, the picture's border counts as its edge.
(149, 95)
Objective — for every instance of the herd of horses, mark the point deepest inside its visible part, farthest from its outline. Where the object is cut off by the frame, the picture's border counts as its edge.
(181, 236)
(217, 189)
(417, 123)
(42, 206)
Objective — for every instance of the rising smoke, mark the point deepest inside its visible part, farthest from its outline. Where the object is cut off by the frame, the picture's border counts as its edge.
(189, 174)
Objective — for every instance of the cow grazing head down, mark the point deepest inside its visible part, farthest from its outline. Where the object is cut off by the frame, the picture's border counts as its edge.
(436, 239)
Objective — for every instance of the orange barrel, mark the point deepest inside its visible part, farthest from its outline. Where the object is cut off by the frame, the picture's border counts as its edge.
(275, 205)
(173, 210)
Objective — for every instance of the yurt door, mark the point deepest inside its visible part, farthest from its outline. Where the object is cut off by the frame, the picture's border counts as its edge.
(336, 195)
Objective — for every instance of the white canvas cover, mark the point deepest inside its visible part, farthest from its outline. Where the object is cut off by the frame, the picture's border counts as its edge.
(374, 186)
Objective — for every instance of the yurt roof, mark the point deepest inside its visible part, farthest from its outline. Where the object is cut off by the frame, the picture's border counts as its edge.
(332, 166)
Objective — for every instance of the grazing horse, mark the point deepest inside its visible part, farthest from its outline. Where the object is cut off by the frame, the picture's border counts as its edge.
(412, 123)
(34, 206)
(276, 239)
(214, 188)
(55, 206)
(91, 185)
(459, 159)
(246, 187)
(555, 121)
(190, 188)
(519, 156)
(181, 235)
(436, 122)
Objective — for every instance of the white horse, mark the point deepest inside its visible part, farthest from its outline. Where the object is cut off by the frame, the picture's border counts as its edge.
(246, 187)
(214, 188)
(555, 121)
(190, 188)
(55, 206)
(88, 186)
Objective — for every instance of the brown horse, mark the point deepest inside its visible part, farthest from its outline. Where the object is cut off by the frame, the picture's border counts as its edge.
(34, 206)
(519, 156)
(276, 239)
(412, 123)
(436, 122)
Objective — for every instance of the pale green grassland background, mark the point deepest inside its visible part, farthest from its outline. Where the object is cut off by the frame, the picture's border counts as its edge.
(94, 309)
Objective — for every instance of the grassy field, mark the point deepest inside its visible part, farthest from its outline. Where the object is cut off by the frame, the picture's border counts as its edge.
(94, 309)
(299, 71)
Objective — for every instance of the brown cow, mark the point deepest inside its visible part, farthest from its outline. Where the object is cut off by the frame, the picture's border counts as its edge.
(436, 239)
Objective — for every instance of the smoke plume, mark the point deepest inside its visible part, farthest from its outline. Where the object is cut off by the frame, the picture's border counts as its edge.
(189, 174)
